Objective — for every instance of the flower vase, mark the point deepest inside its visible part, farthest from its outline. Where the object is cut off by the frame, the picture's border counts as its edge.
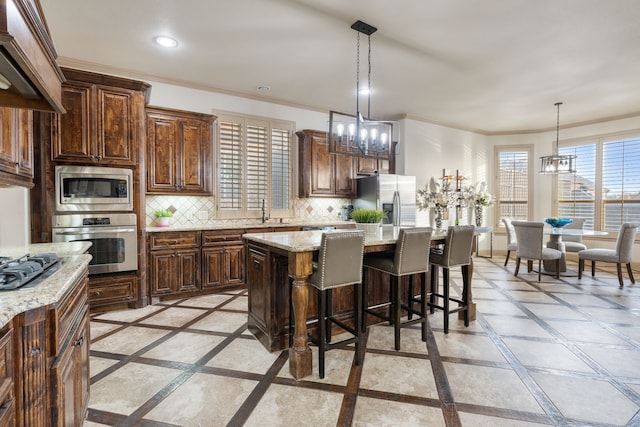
(479, 213)
(437, 219)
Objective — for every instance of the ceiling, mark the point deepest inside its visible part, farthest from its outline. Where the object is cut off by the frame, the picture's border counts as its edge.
(493, 66)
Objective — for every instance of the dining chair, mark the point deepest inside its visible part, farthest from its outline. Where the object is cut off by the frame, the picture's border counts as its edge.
(456, 252)
(339, 264)
(620, 255)
(410, 257)
(530, 235)
(574, 243)
(512, 242)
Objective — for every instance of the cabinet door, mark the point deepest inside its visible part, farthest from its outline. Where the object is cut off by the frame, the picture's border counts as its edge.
(70, 376)
(257, 279)
(163, 272)
(162, 134)
(188, 263)
(213, 267)
(366, 165)
(321, 168)
(345, 185)
(7, 146)
(234, 263)
(73, 136)
(23, 131)
(195, 156)
(116, 139)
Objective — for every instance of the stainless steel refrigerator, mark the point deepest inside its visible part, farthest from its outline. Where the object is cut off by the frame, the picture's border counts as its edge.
(394, 194)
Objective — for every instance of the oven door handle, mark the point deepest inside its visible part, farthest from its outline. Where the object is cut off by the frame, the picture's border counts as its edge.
(75, 233)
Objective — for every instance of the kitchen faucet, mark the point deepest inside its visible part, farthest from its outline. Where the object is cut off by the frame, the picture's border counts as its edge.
(264, 217)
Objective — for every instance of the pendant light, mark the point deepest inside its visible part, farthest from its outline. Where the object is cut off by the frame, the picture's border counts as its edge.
(356, 134)
(556, 163)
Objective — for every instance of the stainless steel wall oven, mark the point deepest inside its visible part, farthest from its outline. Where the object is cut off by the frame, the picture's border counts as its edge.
(113, 236)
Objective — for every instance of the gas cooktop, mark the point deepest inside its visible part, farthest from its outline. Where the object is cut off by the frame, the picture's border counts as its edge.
(17, 272)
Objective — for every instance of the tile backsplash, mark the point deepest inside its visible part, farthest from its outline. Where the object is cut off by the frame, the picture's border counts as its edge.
(200, 210)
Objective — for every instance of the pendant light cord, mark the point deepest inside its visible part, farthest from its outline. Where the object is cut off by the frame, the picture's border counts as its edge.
(558, 104)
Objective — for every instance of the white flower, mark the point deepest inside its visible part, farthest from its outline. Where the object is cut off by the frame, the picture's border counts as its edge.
(483, 198)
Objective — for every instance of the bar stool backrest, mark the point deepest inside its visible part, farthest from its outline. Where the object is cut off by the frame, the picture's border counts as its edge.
(339, 259)
(412, 251)
(457, 246)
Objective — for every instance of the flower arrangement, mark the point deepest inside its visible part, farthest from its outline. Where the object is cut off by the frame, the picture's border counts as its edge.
(483, 198)
(433, 196)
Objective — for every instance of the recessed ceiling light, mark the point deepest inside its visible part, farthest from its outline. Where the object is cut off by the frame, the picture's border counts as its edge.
(165, 41)
(264, 88)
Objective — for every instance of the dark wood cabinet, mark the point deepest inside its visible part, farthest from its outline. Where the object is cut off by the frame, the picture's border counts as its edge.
(16, 146)
(179, 146)
(371, 165)
(222, 259)
(174, 262)
(7, 400)
(323, 174)
(102, 124)
(112, 292)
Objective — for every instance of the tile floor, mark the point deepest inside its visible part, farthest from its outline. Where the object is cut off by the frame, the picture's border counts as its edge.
(548, 353)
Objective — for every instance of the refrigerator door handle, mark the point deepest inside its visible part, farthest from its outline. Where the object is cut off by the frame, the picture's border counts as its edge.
(396, 208)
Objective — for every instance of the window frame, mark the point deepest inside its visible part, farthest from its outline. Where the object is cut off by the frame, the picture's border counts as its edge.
(599, 141)
(497, 150)
(271, 125)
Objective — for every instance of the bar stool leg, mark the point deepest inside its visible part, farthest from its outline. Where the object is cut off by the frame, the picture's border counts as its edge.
(410, 299)
(445, 293)
(465, 293)
(423, 304)
(327, 319)
(322, 331)
(365, 299)
(357, 295)
(396, 306)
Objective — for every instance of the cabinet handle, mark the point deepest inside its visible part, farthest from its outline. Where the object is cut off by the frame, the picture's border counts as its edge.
(256, 265)
(79, 342)
(35, 351)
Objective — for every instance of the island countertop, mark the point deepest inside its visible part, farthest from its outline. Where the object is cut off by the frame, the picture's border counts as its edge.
(73, 261)
(304, 241)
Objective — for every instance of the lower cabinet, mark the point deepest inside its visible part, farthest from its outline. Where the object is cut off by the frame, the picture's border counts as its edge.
(222, 259)
(44, 363)
(174, 262)
(112, 291)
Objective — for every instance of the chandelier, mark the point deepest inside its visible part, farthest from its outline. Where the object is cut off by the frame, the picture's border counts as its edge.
(356, 134)
(557, 163)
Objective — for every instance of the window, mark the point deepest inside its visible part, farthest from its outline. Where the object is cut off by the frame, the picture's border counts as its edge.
(513, 182)
(605, 189)
(254, 167)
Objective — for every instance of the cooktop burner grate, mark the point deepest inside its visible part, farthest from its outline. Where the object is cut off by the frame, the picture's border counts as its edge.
(17, 272)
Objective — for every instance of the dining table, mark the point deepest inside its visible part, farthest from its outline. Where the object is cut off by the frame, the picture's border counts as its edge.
(299, 248)
(555, 242)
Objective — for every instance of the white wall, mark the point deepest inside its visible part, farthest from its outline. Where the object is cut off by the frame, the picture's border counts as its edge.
(14, 217)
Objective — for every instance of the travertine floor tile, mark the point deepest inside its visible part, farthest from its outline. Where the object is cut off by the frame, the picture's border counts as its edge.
(467, 347)
(259, 361)
(376, 412)
(184, 347)
(174, 316)
(402, 375)
(620, 362)
(476, 420)
(221, 322)
(546, 355)
(129, 340)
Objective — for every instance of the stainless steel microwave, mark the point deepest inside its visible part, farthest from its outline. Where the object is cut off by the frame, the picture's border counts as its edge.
(93, 189)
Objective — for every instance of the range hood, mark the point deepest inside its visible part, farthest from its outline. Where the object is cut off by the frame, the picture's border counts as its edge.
(29, 75)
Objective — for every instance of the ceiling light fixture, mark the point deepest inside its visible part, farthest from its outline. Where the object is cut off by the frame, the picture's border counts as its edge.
(355, 134)
(165, 41)
(557, 163)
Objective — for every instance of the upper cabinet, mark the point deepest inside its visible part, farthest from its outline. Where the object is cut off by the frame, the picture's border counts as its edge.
(179, 145)
(323, 174)
(16, 146)
(29, 75)
(104, 123)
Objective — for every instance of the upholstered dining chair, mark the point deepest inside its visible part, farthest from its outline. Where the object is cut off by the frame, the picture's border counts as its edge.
(455, 253)
(530, 247)
(512, 242)
(574, 243)
(339, 264)
(620, 255)
(411, 256)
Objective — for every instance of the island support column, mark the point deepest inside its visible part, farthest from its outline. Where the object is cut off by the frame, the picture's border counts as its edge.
(300, 268)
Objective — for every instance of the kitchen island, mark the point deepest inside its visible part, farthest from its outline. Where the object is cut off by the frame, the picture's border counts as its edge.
(275, 258)
(44, 341)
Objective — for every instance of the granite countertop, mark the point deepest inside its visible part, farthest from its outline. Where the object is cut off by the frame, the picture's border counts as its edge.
(247, 224)
(303, 241)
(72, 262)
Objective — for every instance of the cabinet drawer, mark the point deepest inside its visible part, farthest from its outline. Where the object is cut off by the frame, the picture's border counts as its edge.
(167, 240)
(6, 368)
(112, 290)
(66, 313)
(211, 237)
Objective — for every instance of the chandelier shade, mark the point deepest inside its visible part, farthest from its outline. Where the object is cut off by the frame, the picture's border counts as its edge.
(556, 163)
(356, 134)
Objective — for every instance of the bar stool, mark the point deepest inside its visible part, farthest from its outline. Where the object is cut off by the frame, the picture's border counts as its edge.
(410, 257)
(339, 264)
(456, 252)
